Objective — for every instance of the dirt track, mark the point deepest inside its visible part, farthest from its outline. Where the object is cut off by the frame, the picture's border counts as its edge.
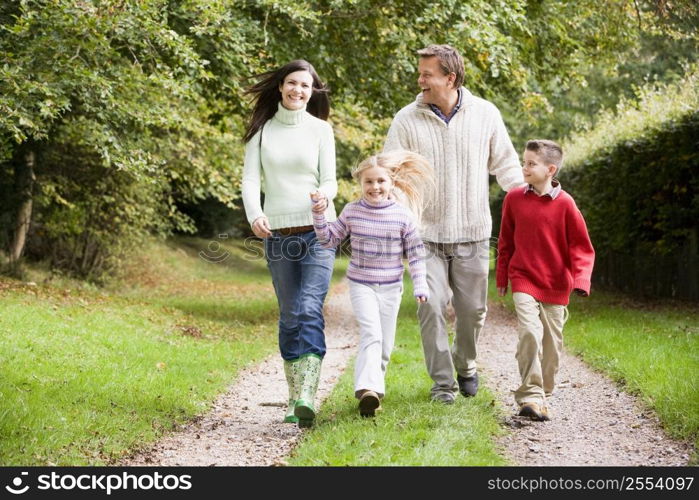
(594, 423)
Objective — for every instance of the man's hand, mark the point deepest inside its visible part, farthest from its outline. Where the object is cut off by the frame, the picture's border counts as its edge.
(502, 291)
(320, 202)
(260, 227)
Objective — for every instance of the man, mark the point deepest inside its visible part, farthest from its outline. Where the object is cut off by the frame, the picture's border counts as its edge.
(465, 139)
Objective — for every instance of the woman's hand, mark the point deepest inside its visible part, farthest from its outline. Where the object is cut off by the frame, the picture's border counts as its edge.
(260, 227)
(320, 202)
(502, 291)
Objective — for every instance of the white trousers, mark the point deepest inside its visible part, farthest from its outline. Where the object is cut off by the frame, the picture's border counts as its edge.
(376, 310)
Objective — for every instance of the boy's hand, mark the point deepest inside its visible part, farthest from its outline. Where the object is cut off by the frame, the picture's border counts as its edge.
(421, 299)
(320, 202)
(580, 292)
(502, 291)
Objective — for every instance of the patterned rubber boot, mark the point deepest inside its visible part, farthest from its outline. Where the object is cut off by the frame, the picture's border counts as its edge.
(291, 370)
(309, 367)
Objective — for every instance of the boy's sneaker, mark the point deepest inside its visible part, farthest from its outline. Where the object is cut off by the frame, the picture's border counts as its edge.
(534, 411)
(369, 403)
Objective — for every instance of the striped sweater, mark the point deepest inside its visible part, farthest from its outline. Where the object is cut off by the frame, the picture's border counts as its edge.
(380, 236)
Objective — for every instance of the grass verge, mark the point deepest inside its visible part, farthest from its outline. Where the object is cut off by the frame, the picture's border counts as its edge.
(410, 430)
(91, 374)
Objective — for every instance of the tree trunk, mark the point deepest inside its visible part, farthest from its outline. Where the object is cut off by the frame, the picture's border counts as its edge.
(25, 184)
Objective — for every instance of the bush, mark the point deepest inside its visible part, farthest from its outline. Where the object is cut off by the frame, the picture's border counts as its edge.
(636, 180)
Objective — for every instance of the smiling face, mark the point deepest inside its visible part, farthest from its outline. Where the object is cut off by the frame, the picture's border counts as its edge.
(376, 184)
(296, 89)
(437, 88)
(536, 172)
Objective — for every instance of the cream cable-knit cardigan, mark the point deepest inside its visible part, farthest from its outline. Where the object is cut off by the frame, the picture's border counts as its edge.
(463, 153)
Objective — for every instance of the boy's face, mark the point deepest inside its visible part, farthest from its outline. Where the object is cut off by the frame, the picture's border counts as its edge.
(535, 171)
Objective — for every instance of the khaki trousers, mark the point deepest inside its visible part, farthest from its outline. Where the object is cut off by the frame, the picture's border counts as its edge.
(540, 346)
(456, 272)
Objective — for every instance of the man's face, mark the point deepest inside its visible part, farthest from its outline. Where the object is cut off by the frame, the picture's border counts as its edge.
(437, 88)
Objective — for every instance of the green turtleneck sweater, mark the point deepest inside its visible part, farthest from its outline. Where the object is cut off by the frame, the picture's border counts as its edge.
(295, 157)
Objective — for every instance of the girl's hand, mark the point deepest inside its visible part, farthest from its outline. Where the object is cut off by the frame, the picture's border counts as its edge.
(320, 202)
(421, 299)
(260, 227)
(502, 291)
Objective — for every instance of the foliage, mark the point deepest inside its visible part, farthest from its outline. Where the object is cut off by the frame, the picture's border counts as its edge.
(110, 91)
(150, 93)
(636, 178)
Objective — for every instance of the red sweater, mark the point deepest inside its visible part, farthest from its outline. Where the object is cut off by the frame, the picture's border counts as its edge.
(544, 249)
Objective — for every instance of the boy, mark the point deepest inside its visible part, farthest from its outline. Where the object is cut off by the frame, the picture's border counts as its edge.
(545, 252)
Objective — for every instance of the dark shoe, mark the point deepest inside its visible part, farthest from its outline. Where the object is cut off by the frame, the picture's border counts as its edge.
(369, 403)
(534, 411)
(444, 398)
(468, 386)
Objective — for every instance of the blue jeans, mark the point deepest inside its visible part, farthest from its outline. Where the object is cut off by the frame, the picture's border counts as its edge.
(301, 270)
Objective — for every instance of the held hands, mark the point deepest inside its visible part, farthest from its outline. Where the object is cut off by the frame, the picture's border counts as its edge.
(260, 227)
(580, 292)
(320, 202)
(502, 291)
(421, 298)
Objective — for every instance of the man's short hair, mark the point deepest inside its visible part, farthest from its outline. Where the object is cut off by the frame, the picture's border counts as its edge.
(449, 60)
(550, 152)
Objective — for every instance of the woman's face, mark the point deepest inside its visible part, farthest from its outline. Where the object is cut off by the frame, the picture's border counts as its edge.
(296, 89)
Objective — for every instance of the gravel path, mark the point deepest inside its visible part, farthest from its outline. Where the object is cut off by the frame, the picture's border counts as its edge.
(593, 421)
(244, 425)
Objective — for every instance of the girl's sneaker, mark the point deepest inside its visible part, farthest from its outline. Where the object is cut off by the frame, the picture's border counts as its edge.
(369, 403)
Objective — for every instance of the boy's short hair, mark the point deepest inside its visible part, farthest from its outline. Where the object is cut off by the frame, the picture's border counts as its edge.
(449, 60)
(549, 151)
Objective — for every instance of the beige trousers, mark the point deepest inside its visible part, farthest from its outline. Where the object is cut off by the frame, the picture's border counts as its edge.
(539, 348)
(456, 272)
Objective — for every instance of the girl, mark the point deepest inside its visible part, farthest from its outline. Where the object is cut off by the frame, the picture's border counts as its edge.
(381, 232)
(291, 146)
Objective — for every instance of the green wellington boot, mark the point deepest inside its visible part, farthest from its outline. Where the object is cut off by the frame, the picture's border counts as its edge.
(291, 370)
(309, 368)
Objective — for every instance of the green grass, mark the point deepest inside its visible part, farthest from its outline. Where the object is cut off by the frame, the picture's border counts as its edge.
(88, 374)
(652, 349)
(410, 430)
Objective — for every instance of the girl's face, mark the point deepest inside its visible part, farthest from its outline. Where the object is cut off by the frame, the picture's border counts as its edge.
(376, 184)
(296, 89)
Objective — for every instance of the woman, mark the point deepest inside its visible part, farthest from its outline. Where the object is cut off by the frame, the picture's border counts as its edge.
(291, 146)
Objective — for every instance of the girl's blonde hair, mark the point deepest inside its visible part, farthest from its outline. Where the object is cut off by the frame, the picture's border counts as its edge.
(410, 172)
